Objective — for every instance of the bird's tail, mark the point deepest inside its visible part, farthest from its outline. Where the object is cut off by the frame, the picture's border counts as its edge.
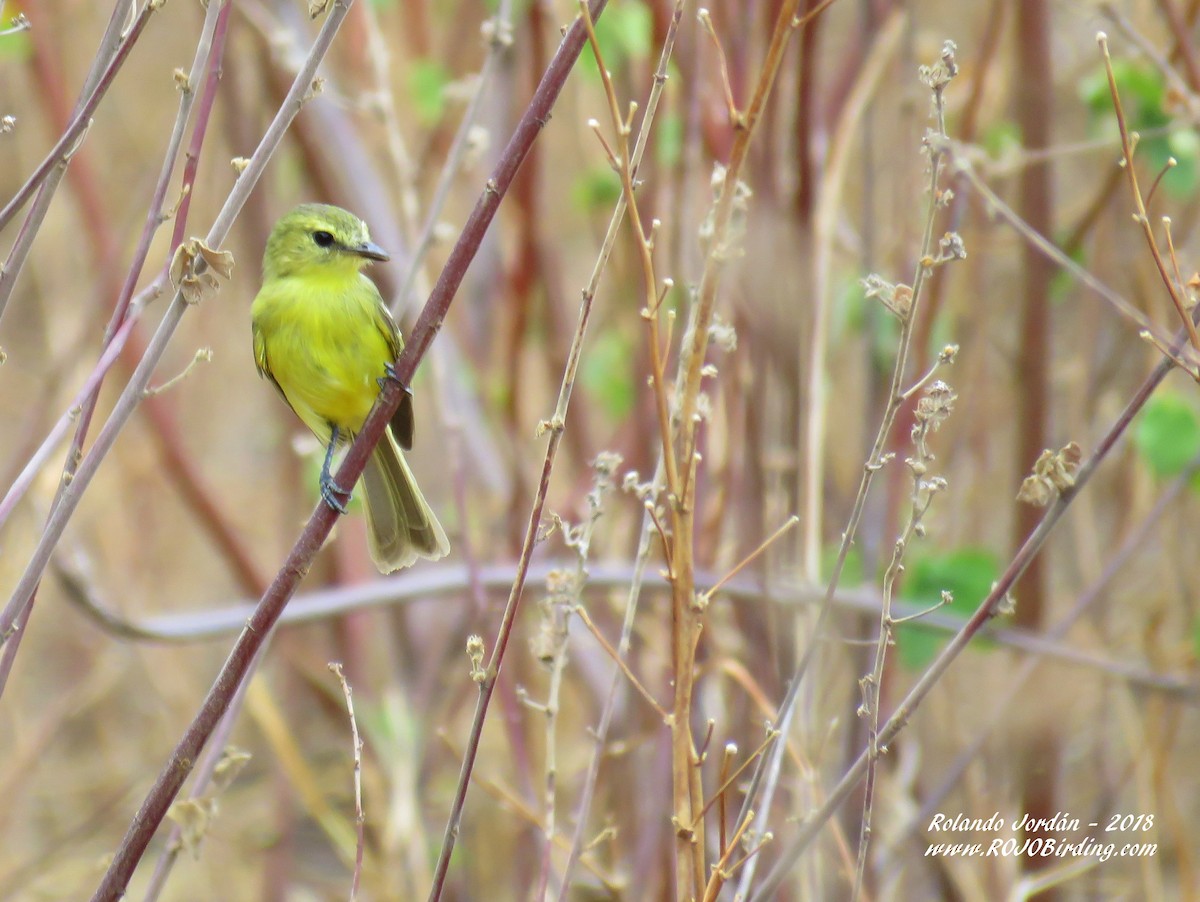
(401, 527)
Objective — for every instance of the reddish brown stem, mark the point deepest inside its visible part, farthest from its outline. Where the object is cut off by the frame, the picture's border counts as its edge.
(426, 327)
(1036, 204)
(1182, 32)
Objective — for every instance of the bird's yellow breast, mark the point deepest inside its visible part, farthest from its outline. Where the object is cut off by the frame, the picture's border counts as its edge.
(325, 341)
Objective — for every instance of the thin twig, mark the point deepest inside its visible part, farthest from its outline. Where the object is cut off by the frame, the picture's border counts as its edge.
(209, 53)
(986, 610)
(924, 489)
(499, 43)
(689, 845)
(60, 154)
(723, 781)
(1183, 91)
(565, 598)
(662, 712)
(721, 871)
(205, 770)
(1143, 219)
(686, 617)
(1014, 686)
(770, 766)
(648, 520)
(58, 431)
(452, 581)
(203, 355)
(210, 49)
(531, 123)
(995, 205)
(150, 815)
(751, 557)
(134, 390)
(359, 818)
(512, 800)
(829, 206)
(727, 779)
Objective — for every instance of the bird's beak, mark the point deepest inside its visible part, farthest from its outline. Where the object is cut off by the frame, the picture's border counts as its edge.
(371, 251)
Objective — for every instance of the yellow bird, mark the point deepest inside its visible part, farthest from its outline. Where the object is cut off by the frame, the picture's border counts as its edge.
(324, 337)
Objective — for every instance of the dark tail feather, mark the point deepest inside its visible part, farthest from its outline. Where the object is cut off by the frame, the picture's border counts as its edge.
(401, 527)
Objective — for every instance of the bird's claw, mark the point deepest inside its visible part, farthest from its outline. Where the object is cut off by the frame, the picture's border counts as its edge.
(330, 491)
(389, 370)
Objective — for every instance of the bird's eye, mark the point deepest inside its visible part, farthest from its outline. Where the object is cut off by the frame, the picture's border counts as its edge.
(323, 239)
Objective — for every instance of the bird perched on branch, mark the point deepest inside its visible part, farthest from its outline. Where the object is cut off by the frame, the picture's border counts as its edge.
(325, 339)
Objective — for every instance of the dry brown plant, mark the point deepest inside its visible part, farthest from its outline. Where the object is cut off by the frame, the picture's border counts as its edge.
(752, 596)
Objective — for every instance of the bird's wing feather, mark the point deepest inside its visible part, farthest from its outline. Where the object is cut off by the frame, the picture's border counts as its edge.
(263, 364)
(402, 419)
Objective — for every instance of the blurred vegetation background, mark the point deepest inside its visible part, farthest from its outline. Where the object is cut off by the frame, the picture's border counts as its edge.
(208, 487)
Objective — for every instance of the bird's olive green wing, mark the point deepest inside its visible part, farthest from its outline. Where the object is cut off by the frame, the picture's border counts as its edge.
(263, 364)
(402, 419)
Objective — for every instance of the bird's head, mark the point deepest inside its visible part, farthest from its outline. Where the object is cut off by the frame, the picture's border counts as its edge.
(319, 239)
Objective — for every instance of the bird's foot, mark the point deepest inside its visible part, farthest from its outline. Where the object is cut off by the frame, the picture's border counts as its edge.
(330, 492)
(390, 374)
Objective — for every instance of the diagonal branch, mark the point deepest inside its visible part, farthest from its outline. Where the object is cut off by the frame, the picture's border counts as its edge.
(985, 612)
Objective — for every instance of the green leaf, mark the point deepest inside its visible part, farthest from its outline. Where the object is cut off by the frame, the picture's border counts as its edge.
(1184, 145)
(1001, 138)
(624, 32)
(607, 374)
(1142, 89)
(596, 189)
(1063, 280)
(852, 572)
(1167, 434)
(626, 28)
(853, 313)
(968, 573)
(16, 47)
(668, 139)
(427, 80)
(945, 329)
(1143, 92)
(849, 312)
